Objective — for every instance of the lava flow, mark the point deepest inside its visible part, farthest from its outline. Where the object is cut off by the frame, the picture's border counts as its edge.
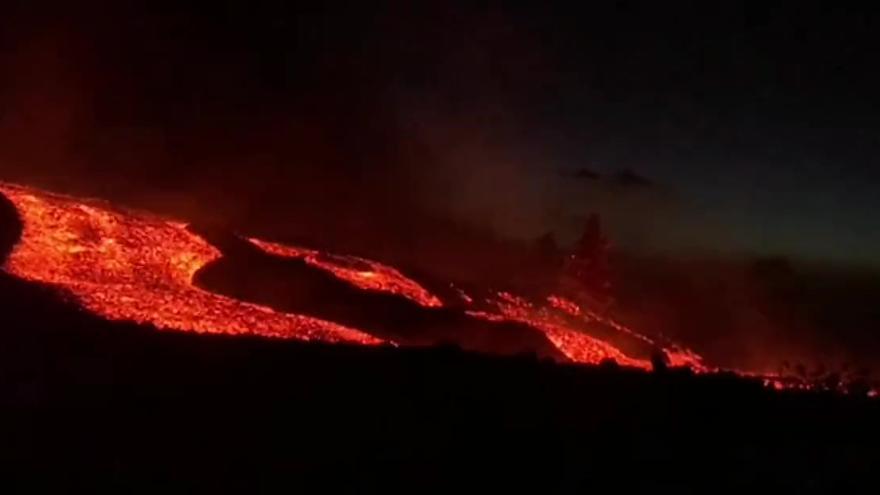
(126, 266)
(362, 273)
(371, 275)
(132, 266)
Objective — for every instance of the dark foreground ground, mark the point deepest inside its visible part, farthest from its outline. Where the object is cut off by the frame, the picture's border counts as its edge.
(88, 402)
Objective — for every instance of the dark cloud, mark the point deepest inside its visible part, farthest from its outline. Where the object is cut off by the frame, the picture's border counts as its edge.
(629, 178)
(585, 173)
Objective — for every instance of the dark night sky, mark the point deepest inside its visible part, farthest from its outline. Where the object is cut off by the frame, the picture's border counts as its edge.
(765, 117)
(757, 126)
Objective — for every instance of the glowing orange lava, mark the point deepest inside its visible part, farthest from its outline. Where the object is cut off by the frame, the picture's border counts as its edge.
(127, 266)
(370, 275)
(678, 357)
(362, 273)
(133, 266)
(575, 345)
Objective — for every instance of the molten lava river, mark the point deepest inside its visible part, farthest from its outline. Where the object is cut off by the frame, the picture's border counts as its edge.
(127, 266)
(131, 266)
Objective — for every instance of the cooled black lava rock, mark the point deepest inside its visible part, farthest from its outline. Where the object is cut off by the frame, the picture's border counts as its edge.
(10, 227)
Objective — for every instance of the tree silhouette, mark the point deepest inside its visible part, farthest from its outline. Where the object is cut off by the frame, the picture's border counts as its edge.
(588, 263)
